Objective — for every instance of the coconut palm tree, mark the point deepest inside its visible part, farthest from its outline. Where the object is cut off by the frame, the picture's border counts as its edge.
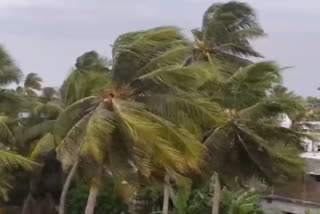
(251, 139)
(90, 75)
(121, 132)
(9, 72)
(31, 84)
(226, 31)
(9, 158)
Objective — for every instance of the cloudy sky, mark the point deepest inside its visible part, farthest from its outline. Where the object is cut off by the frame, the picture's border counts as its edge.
(45, 36)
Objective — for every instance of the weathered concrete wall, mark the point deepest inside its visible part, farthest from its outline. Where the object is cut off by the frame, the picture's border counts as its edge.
(313, 165)
(280, 207)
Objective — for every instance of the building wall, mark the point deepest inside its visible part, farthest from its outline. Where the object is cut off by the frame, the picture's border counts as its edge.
(281, 207)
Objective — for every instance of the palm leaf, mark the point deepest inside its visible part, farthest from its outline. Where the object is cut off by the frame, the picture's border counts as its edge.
(6, 135)
(199, 110)
(185, 78)
(43, 147)
(228, 27)
(9, 72)
(33, 81)
(49, 110)
(71, 115)
(25, 135)
(170, 146)
(12, 160)
(133, 51)
(98, 135)
(69, 148)
(174, 56)
(273, 106)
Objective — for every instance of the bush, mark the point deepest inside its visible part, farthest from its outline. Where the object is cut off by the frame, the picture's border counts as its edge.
(107, 202)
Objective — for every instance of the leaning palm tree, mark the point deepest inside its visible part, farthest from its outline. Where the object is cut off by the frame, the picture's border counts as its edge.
(31, 84)
(9, 158)
(226, 31)
(9, 72)
(251, 139)
(122, 132)
(90, 75)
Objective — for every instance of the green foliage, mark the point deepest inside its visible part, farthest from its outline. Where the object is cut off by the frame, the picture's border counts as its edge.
(9, 72)
(13, 160)
(168, 108)
(228, 27)
(31, 83)
(141, 52)
(49, 110)
(5, 184)
(241, 202)
(198, 201)
(107, 202)
(180, 199)
(6, 135)
(90, 76)
(45, 145)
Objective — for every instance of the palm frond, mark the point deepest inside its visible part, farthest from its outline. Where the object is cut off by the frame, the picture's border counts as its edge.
(91, 62)
(168, 146)
(12, 160)
(43, 147)
(5, 184)
(9, 72)
(273, 106)
(133, 51)
(179, 77)
(248, 85)
(49, 110)
(196, 108)
(24, 135)
(174, 56)
(71, 115)
(98, 135)
(228, 27)
(33, 81)
(80, 85)
(6, 135)
(69, 148)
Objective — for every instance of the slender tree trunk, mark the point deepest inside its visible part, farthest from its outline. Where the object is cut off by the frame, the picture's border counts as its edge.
(66, 187)
(27, 206)
(166, 195)
(216, 194)
(91, 203)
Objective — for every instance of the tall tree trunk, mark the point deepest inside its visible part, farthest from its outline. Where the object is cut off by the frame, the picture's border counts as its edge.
(27, 205)
(166, 196)
(91, 203)
(66, 186)
(216, 194)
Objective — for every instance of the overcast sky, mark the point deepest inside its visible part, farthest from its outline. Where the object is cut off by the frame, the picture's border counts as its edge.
(45, 36)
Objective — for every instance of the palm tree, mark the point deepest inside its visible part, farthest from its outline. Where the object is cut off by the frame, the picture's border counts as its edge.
(124, 131)
(90, 75)
(251, 139)
(226, 31)
(31, 83)
(9, 158)
(9, 72)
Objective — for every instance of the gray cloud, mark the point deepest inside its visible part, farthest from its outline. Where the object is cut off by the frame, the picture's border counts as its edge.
(46, 36)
